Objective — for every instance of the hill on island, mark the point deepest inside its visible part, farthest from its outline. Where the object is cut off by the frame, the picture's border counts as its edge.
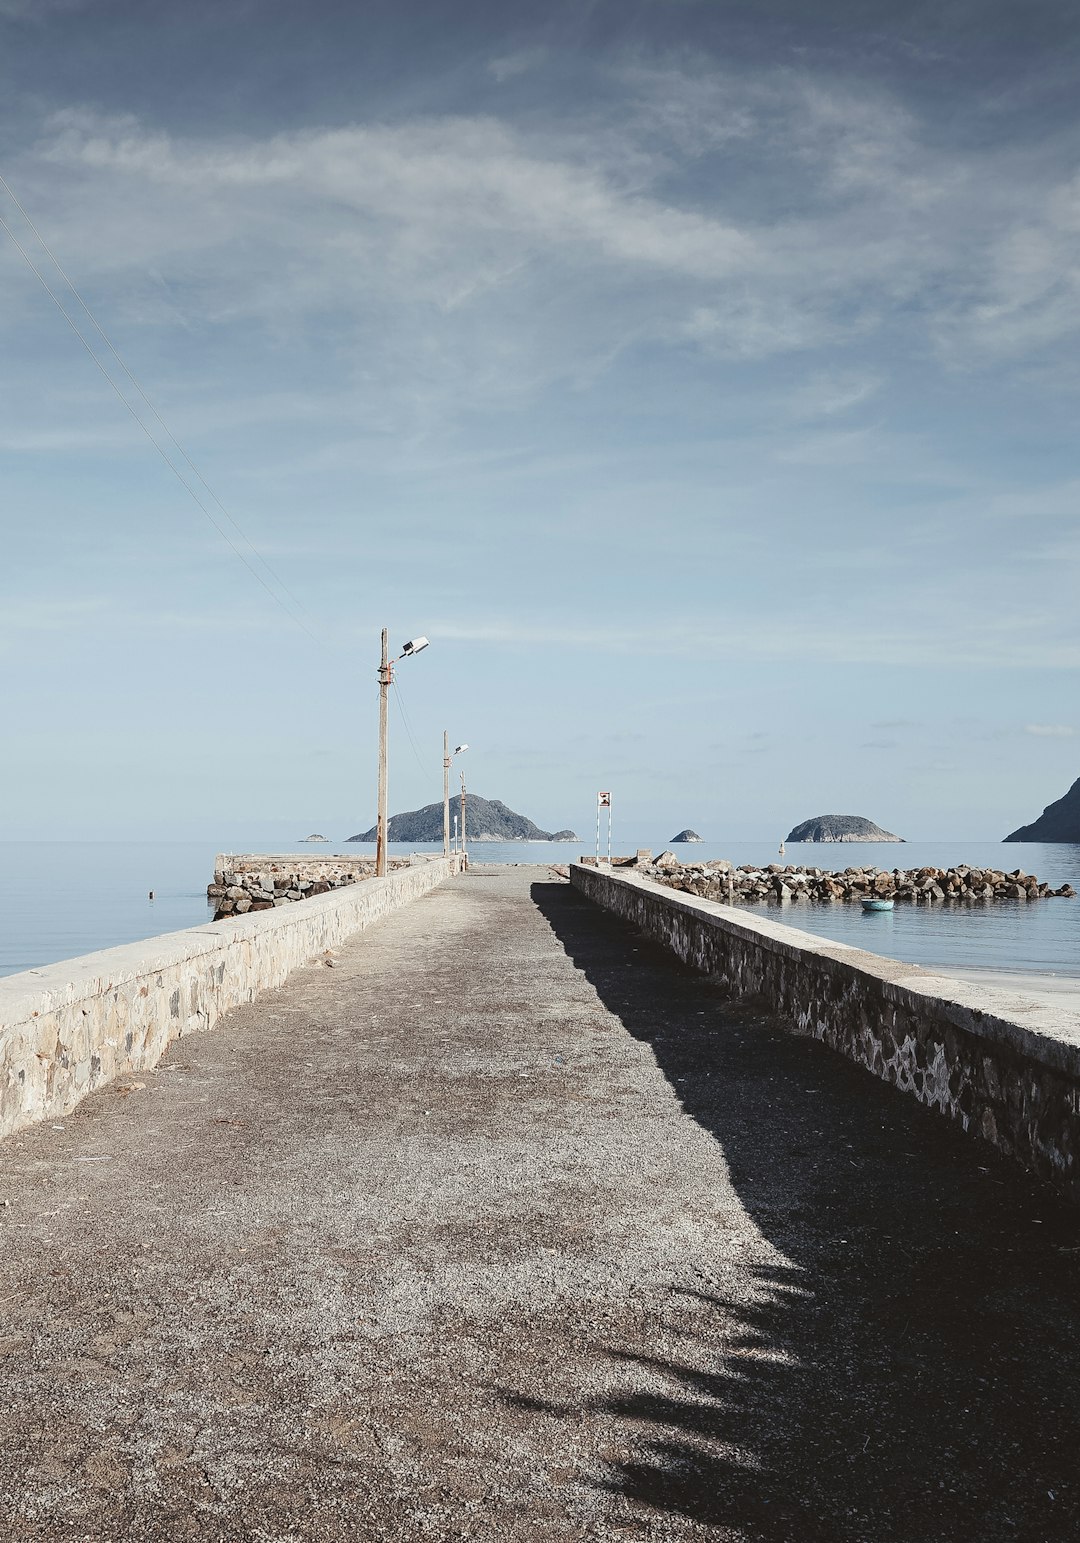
(486, 819)
(687, 835)
(1059, 821)
(840, 827)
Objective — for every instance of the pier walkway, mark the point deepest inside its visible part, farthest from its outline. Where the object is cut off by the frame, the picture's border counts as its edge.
(508, 1227)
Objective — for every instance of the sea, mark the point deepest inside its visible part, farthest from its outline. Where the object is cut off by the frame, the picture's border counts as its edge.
(62, 899)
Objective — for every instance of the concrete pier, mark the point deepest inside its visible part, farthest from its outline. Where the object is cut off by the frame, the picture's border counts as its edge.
(506, 1227)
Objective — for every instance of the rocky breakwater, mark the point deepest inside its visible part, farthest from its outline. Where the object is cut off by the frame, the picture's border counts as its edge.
(243, 884)
(721, 881)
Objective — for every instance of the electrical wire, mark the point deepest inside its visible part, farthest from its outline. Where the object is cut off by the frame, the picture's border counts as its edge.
(169, 462)
(408, 727)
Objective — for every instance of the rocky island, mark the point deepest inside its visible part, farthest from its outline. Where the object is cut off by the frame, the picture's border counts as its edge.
(840, 827)
(687, 835)
(1059, 821)
(486, 819)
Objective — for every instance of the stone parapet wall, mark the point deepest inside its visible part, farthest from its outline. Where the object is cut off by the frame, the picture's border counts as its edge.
(68, 1028)
(1006, 1068)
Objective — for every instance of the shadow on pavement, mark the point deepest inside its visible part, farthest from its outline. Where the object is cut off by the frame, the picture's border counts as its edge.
(912, 1372)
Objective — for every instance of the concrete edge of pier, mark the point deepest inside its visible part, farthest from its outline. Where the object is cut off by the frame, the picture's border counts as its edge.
(1005, 1068)
(69, 1028)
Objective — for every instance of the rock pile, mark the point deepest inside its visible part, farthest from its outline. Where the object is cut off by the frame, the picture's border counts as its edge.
(234, 894)
(725, 883)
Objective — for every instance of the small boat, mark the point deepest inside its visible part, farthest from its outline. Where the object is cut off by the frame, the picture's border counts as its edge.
(877, 903)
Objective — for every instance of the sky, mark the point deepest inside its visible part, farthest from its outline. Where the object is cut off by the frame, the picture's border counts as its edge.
(700, 377)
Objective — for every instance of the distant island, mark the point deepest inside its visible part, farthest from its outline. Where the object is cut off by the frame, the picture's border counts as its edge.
(485, 820)
(1059, 821)
(314, 838)
(840, 827)
(687, 835)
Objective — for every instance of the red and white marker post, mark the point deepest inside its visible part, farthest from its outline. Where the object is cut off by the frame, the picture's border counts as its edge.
(603, 801)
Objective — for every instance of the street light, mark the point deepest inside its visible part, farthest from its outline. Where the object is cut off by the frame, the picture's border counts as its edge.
(386, 678)
(446, 759)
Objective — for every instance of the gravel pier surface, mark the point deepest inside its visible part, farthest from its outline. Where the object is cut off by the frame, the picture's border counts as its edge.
(508, 1227)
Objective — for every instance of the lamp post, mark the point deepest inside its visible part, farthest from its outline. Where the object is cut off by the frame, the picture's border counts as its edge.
(446, 759)
(386, 680)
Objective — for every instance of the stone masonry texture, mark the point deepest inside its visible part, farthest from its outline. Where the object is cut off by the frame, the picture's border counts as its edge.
(68, 1028)
(511, 1227)
(1005, 1070)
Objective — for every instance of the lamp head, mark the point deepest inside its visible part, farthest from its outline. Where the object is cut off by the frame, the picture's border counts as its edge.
(413, 647)
(460, 748)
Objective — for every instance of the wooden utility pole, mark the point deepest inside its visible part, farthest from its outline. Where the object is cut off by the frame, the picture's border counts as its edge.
(445, 793)
(385, 677)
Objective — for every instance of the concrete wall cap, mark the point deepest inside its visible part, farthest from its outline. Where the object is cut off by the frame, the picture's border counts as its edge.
(33, 993)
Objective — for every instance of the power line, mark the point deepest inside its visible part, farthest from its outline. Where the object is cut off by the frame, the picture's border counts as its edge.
(408, 727)
(169, 462)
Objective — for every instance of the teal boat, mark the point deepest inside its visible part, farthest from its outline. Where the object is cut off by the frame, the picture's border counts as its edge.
(876, 903)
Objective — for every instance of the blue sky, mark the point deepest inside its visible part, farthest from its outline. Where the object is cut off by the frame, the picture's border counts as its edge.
(701, 378)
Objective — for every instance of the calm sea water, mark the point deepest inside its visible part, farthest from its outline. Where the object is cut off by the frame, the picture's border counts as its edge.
(64, 899)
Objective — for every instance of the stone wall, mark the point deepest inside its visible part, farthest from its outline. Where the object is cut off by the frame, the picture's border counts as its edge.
(1006, 1069)
(68, 1028)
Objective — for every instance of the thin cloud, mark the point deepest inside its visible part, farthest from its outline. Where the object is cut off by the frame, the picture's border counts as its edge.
(508, 66)
(829, 395)
(1008, 643)
(1056, 500)
(40, 10)
(605, 223)
(1050, 730)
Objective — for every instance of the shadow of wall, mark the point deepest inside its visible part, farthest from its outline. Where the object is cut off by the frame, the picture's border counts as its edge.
(913, 1370)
